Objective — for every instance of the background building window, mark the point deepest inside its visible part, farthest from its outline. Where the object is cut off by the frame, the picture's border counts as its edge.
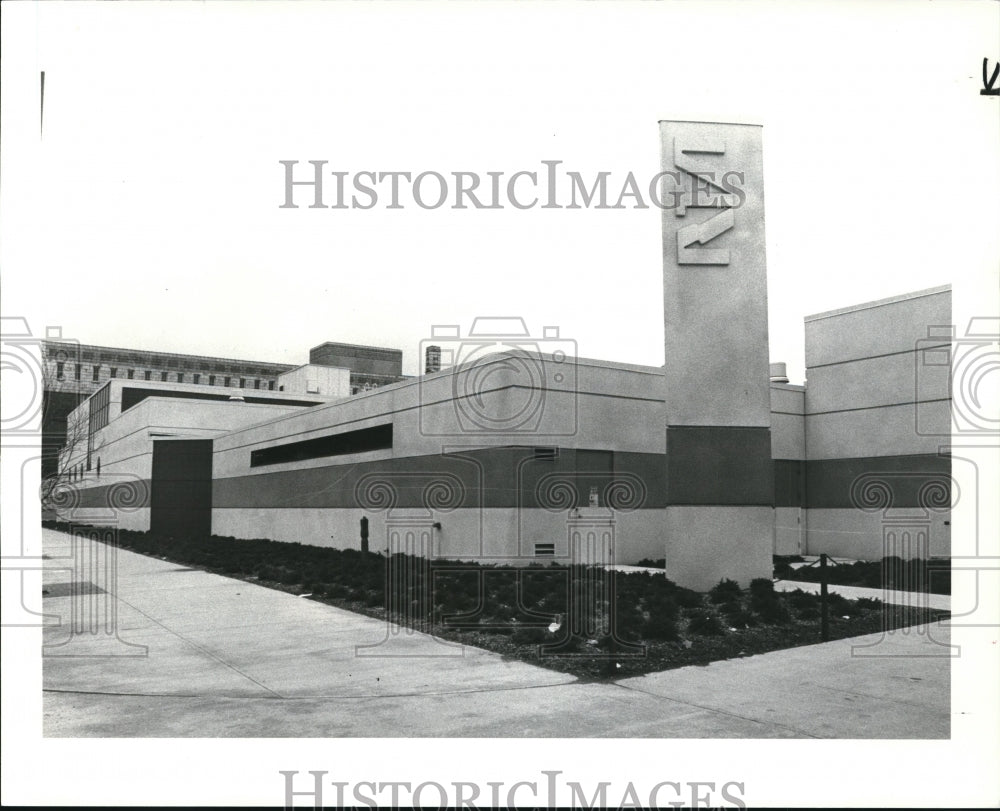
(59, 370)
(211, 380)
(76, 372)
(243, 382)
(97, 373)
(131, 374)
(228, 381)
(197, 378)
(180, 377)
(114, 371)
(147, 374)
(163, 376)
(270, 385)
(256, 383)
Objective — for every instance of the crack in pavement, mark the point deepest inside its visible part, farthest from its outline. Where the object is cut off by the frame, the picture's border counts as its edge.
(199, 647)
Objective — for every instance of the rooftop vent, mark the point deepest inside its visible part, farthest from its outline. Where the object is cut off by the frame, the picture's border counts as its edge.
(779, 373)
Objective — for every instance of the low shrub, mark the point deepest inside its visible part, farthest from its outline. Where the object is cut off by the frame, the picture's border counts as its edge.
(738, 617)
(725, 591)
(628, 621)
(838, 604)
(761, 593)
(335, 590)
(766, 604)
(661, 621)
(802, 599)
(704, 623)
(774, 612)
(502, 612)
(782, 566)
(921, 574)
(266, 571)
(686, 598)
(760, 587)
(290, 577)
(531, 636)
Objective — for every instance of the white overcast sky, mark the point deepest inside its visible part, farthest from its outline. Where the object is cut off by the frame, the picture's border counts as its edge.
(148, 215)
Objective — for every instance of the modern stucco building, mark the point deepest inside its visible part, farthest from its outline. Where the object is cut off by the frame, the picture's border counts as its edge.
(877, 427)
(73, 371)
(512, 456)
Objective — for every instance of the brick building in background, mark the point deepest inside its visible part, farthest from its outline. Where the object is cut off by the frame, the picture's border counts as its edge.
(73, 372)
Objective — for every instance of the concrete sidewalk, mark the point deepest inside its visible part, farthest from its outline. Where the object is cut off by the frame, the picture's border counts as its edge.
(912, 598)
(917, 599)
(200, 655)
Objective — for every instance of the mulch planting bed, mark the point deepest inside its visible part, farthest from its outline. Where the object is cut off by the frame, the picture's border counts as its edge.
(592, 623)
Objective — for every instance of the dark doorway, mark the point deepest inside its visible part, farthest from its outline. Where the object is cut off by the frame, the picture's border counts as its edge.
(181, 502)
(595, 470)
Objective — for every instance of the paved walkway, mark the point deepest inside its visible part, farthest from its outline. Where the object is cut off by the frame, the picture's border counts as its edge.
(913, 598)
(200, 655)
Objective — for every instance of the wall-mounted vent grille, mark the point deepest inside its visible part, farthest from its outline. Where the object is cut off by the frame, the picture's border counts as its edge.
(545, 550)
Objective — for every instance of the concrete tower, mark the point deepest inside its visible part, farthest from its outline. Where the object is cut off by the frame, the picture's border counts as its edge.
(720, 483)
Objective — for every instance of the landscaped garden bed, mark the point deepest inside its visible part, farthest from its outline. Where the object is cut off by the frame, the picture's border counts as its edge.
(917, 574)
(591, 622)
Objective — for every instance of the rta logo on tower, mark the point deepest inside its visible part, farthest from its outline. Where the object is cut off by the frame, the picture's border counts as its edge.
(546, 791)
(699, 195)
(498, 379)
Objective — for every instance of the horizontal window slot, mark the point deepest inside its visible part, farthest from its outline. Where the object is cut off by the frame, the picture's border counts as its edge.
(376, 438)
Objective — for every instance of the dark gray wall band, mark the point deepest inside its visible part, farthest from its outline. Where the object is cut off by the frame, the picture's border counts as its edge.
(719, 465)
(922, 480)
